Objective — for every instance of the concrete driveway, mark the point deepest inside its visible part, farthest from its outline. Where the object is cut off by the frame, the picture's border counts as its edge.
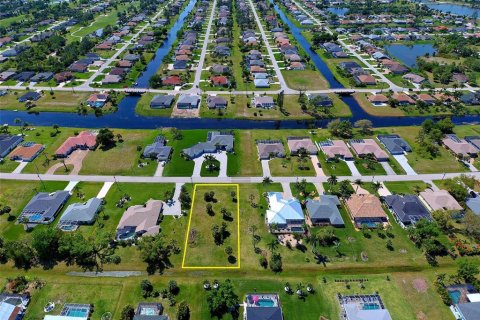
(353, 168)
(221, 157)
(75, 159)
(318, 170)
(287, 191)
(266, 168)
(388, 169)
(403, 161)
(173, 208)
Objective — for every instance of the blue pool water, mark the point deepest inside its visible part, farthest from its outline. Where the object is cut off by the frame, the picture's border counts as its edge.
(78, 313)
(266, 303)
(455, 296)
(371, 306)
(408, 54)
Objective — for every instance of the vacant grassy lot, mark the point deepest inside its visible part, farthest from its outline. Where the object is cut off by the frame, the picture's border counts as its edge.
(305, 79)
(405, 187)
(290, 167)
(200, 248)
(124, 155)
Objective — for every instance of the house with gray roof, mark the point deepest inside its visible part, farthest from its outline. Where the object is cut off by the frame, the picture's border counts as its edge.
(270, 148)
(8, 142)
(407, 209)
(43, 207)
(149, 311)
(467, 311)
(216, 141)
(270, 309)
(188, 101)
(394, 144)
(80, 214)
(216, 102)
(473, 140)
(158, 150)
(354, 312)
(162, 101)
(324, 211)
(474, 205)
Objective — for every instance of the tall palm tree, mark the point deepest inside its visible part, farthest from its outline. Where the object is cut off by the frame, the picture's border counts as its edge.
(332, 180)
(273, 245)
(377, 186)
(358, 183)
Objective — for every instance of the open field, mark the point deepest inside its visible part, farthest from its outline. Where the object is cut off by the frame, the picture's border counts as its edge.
(201, 249)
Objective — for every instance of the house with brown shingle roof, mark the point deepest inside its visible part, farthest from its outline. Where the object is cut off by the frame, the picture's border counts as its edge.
(403, 99)
(426, 98)
(363, 147)
(366, 209)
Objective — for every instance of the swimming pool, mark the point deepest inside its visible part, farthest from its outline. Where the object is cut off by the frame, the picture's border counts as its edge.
(370, 306)
(455, 295)
(80, 313)
(265, 303)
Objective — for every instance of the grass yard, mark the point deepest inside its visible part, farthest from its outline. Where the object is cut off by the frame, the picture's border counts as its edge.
(335, 167)
(7, 165)
(16, 195)
(245, 153)
(205, 172)
(103, 297)
(444, 162)
(178, 166)
(405, 187)
(124, 155)
(374, 169)
(143, 107)
(389, 292)
(305, 79)
(201, 251)
(289, 167)
(418, 290)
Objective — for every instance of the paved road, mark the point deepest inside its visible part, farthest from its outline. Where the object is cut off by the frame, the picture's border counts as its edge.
(201, 62)
(239, 180)
(281, 80)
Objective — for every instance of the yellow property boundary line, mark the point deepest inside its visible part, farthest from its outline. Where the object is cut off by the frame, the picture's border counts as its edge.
(190, 220)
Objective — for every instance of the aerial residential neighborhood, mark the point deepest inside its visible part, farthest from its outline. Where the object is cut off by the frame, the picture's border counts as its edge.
(240, 159)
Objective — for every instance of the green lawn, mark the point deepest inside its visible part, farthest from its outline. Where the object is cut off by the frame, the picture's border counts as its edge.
(305, 79)
(333, 167)
(124, 155)
(103, 297)
(143, 107)
(16, 195)
(6, 165)
(205, 172)
(375, 168)
(179, 166)
(289, 167)
(405, 187)
(200, 248)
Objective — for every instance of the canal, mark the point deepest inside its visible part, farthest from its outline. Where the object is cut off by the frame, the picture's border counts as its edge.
(126, 117)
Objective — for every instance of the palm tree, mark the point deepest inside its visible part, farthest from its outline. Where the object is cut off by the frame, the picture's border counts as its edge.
(358, 183)
(332, 180)
(273, 245)
(376, 186)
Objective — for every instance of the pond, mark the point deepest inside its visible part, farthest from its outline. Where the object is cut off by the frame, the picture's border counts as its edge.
(456, 9)
(408, 54)
(339, 11)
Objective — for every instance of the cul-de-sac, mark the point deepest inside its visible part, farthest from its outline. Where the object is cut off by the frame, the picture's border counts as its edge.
(240, 159)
